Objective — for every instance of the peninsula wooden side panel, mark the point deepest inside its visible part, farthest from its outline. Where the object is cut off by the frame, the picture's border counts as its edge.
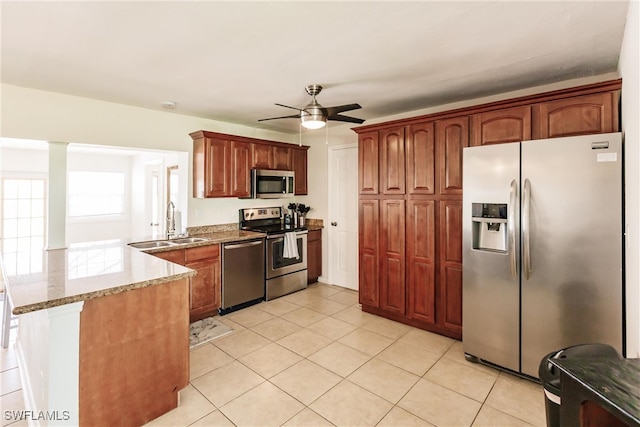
(134, 354)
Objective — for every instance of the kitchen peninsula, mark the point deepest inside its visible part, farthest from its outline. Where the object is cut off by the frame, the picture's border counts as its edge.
(103, 335)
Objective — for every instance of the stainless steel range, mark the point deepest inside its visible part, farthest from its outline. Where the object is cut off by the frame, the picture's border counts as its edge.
(286, 252)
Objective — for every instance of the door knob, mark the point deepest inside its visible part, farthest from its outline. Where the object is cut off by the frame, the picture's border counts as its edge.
(333, 223)
(154, 224)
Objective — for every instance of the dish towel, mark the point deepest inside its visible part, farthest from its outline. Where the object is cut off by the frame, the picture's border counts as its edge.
(290, 246)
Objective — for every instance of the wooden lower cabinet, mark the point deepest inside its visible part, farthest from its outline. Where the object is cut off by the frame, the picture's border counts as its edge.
(392, 256)
(205, 292)
(411, 262)
(314, 255)
(368, 223)
(450, 244)
(421, 264)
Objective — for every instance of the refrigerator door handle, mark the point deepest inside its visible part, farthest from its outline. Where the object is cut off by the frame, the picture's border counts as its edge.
(526, 230)
(511, 228)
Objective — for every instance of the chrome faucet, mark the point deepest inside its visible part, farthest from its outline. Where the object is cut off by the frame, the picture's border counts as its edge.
(171, 220)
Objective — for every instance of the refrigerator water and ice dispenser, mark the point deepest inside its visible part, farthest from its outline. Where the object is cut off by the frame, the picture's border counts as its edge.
(489, 227)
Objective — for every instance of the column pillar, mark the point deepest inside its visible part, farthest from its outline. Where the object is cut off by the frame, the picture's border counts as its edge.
(57, 199)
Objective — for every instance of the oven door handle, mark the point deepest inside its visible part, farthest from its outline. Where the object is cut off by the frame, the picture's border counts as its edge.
(281, 236)
(242, 245)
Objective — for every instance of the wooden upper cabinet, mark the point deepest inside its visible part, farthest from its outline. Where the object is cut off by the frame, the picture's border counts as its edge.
(299, 166)
(216, 172)
(282, 158)
(368, 162)
(580, 115)
(222, 163)
(420, 158)
(501, 126)
(392, 161)
(452, 135)
(239, 170)
(262, 156)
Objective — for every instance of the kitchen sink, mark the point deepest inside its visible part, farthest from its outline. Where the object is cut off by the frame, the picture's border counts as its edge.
(152, 244)
(183, 240)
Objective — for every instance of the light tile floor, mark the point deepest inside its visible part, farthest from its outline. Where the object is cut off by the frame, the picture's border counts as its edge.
(313, 358)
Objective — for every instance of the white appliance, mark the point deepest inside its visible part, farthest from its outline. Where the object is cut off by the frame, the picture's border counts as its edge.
(542, 249)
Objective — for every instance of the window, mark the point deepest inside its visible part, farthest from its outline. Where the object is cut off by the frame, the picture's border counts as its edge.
(23, 224)
(96, 193)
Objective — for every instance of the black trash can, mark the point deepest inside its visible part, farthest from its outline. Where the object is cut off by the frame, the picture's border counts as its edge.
(550, 375)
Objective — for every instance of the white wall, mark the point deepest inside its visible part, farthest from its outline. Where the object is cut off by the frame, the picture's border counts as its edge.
(34, 114)
(630, 71)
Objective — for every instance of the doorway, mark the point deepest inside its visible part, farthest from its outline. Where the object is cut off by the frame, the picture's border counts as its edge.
(343, 216)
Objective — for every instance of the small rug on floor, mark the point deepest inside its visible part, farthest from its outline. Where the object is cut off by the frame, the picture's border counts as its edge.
(206, 330)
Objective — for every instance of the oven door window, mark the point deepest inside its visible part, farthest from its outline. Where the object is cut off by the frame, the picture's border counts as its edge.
(271, 185)
(278, 261)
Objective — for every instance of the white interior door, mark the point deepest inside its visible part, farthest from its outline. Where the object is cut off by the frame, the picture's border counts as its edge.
(343, 216)
(154, 200)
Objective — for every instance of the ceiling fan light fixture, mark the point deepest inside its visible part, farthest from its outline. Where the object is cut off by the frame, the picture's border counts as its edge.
(313, 117)
(311, 122)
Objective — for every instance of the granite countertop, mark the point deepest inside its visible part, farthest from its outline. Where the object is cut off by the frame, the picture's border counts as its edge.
(615, 381)
(212, 238)
(40, 279)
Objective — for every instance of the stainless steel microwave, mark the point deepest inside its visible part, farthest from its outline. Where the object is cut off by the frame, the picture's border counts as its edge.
(272, 184)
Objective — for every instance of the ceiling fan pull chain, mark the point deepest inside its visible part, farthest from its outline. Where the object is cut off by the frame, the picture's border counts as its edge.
(326, 134)
(300, 138)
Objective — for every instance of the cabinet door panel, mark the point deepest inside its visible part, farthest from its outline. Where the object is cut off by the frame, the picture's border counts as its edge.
(578, 116)
(368, 163)
(392, 253)
(282, 158)
(205, 286)
(262, 156)
(421, 260)
(451, 278)
(299, 161)
(216, 168)
(392, 173)
(450, 230)
(368, 224)
(420, 152)
(452, 136)
(240, 166)
(502, 126)
(314, 255)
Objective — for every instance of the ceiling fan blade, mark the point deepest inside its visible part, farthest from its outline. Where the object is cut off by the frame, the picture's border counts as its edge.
(296, 116)
(340, 118)
(286, 106)
(342, 108)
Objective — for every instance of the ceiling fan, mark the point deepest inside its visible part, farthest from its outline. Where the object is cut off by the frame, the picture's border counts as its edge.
(315, 116)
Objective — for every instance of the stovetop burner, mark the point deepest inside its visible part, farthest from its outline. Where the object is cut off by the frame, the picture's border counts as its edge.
(273, 229)
(266, 220)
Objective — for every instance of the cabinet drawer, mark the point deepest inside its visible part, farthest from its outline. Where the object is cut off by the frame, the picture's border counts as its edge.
(176, 256)
(202, 252)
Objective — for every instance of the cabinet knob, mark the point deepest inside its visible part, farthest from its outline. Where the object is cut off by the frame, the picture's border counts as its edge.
(333, 223)
(154, 224)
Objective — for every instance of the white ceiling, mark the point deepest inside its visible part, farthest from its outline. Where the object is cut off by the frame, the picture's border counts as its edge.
(232, 60)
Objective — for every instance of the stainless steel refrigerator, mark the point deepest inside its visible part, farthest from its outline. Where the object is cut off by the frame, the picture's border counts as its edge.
(542, 248)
